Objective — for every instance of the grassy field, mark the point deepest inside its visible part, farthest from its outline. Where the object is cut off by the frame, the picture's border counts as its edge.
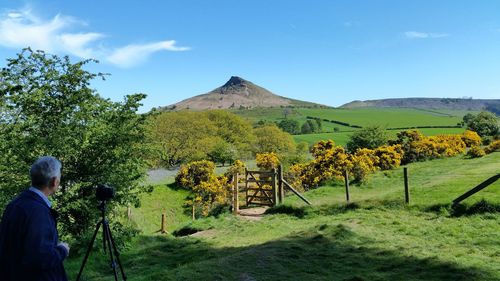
(341, 138)
(374, 238)
(388, 117)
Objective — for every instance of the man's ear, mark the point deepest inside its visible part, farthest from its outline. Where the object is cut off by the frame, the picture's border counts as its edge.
(53, 183)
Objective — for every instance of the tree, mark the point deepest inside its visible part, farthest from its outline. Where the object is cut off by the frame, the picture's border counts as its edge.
(306, 128)
(272, 139)
(485, 124)
(48, 108)
(368, 137)
(467, 118)
(222, 152)
(180, 137)
(287, 111)
(233, 129)
(184, 136)
(290, 126)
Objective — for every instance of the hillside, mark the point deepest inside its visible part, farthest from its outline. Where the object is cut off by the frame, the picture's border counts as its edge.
(374, 238)
(431, 103)
(238, 93)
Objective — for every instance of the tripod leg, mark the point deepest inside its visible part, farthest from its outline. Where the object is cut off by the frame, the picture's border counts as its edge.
(107, 232)
(88, 250)
(117, 255)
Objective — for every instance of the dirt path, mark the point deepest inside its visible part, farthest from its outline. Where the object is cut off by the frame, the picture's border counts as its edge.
(253, 213)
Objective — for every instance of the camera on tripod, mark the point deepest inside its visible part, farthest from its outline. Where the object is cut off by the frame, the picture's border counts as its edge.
(104, 192)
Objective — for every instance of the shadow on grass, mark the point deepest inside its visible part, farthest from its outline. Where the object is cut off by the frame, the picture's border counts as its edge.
(330, 210)
(478, 208)
(324, 252)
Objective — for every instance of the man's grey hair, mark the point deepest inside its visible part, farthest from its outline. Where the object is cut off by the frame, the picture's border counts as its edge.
(44, 169)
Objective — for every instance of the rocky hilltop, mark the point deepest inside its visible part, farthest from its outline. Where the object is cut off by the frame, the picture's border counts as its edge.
(238, 93)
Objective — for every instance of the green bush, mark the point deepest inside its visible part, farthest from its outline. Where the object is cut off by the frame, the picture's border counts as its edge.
(476, 152)
(369, 137)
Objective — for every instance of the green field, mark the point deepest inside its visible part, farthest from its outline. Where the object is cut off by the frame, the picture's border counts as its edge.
(341, 138)
(388, 117)
(376, 237)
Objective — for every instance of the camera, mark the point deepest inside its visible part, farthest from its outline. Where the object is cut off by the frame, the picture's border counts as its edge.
(104, 192)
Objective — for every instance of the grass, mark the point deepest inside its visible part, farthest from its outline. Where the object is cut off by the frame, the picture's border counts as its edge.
(374, 238)
(389, 117)
(341, 138)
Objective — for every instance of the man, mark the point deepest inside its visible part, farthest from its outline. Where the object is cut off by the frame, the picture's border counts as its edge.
(29, 245)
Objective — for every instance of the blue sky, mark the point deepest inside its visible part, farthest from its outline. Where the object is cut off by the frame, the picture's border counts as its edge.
(330, 52)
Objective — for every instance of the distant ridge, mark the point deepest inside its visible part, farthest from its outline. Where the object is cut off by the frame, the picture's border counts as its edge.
(238, 93)
(492, 105)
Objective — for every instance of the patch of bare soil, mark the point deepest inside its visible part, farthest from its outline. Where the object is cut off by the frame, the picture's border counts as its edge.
(253, 213)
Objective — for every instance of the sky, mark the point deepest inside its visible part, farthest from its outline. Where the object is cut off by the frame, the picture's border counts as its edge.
(329, 52)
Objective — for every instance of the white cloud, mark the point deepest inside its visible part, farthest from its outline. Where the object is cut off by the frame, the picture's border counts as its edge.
(132, 55)
(22, 28)
(424, 35)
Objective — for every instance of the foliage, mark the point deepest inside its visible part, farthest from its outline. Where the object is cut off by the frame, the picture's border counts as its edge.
(222, 152)
(311, 126)
(267, 161)
(272, 139)
(300, 156)
(47, 108)
(210, 194)
(193, 173)
(475, 152)
(417, 147)
(290, 126)
(330, 162)
(238, 166)
(492, 147)
(485, 124)
(209, 190)
(362, 162)
(233, 129)
(368, 137)
(388, 157)
(471, 138)
(181, 137)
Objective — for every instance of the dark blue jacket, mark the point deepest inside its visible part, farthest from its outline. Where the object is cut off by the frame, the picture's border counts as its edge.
(28, 241)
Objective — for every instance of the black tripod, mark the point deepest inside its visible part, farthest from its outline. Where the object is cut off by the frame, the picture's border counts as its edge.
(107, 241)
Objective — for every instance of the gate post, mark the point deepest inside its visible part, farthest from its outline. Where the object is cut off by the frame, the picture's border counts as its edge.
(275, 188)
(236, 201)
(281, 190)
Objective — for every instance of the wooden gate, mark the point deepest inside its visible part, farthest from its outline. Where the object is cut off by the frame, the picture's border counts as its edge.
(260, 188)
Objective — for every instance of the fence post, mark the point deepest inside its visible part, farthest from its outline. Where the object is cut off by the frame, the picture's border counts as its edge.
(281, 190)
(246, 187)
(275, 187)
(407, 189)
(193, 211)
(346, 179)
(236, 201)
(163, 224)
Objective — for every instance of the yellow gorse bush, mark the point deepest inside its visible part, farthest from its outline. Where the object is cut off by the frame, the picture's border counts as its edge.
(476, 152)
(492, 147)
(331, 161)
(208, 189)
(389, 156)
(471, 138)
(267, 161)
